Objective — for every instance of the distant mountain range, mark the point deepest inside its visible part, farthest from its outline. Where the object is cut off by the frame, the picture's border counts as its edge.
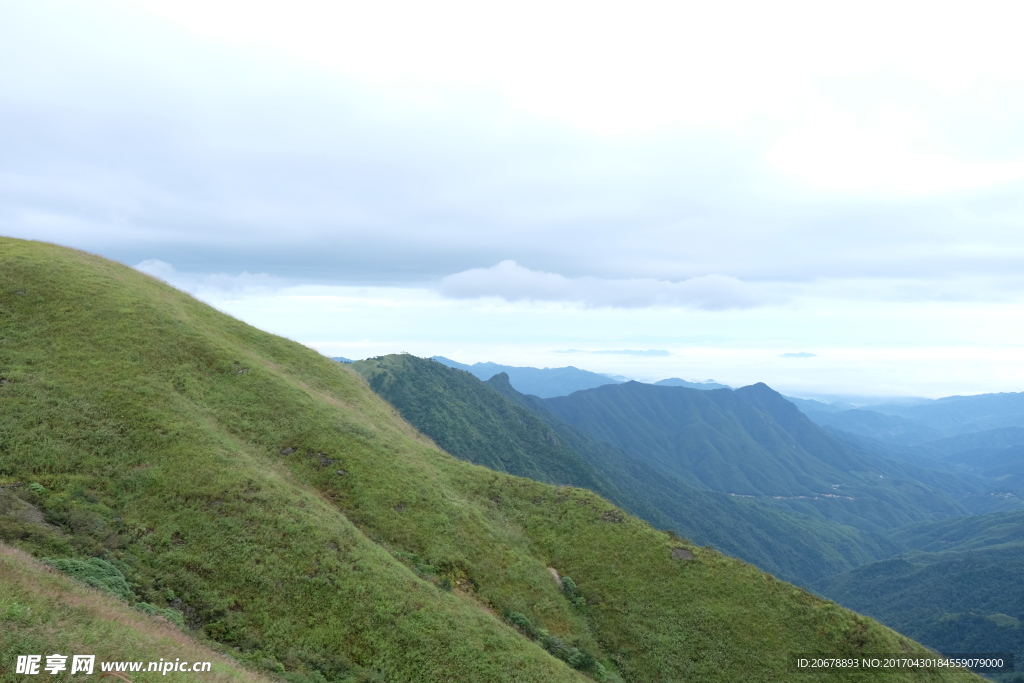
(706, 385)
(492, 424)
(923, 421)
(543, 382)
(549, 382)
(868, 520)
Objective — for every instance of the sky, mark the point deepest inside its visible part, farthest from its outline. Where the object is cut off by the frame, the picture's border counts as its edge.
(827, 197)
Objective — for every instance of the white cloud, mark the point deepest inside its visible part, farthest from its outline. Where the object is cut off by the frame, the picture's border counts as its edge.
(202, 284)
(512, 282)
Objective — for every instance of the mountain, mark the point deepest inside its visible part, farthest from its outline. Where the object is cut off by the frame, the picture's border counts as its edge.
(492, 424)
(962, 414)
(543, 382)
(266, 494)
(753, 442)
(963, 533)
(1003, 468)
(984, 490)
(895, 429)
(706, 385)
(472, 421)
(961, 443)
(806, 404)
(958, 590)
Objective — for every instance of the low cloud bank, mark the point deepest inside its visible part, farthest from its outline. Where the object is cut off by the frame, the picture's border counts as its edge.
(512, 282)
(621, 352)
(196, 282)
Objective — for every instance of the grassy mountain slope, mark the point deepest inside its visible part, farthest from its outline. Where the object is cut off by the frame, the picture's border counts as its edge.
(34, 599)
(753, 442)
(492, 424)
(267, 494)
(477, 424)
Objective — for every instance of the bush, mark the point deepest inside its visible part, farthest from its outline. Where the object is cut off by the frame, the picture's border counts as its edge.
(572, 592)
(171, 615)
(95, 572)
(521, 622)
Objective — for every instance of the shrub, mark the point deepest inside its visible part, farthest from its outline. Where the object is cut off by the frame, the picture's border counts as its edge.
(171, 615)
(521, 622)
(95, 572)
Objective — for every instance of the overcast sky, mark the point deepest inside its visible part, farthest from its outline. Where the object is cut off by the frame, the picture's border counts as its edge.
(828, 197)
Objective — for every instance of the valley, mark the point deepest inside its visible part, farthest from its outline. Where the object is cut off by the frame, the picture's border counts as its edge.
(264, 499)
(670, 455)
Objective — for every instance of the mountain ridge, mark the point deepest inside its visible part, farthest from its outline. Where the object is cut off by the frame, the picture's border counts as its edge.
(285, 510)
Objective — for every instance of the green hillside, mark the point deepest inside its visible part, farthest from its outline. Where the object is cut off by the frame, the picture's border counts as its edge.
(285, 511)
(477, 423)
(34, 599)
(966, 598)
(962, 533)
(492, 424)
(753, 442)
(959, 589)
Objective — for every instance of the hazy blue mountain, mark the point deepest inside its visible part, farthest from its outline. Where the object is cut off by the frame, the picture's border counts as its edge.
(753, 442)
(342, 359)
(1002, 437)
(705, 385)
(808, 404)
(543, 382)
(895, 429)
(962, 414)
(981, 494)
(1002, 467)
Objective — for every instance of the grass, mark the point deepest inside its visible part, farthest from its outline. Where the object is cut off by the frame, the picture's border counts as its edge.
(265, 493)
(43, 611)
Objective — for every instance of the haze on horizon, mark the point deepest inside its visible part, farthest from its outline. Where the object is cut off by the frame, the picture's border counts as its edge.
(827, 199)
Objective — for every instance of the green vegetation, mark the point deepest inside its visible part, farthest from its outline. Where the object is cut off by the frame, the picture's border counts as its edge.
(492, 424)
(96, 573)
(961, 589)
(289, 514)
(43, 612)
(753, 442)
(470, 420)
